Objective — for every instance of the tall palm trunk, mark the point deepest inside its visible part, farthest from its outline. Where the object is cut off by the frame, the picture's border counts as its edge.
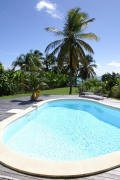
(71, 74)
(47, 66)
(82, 85)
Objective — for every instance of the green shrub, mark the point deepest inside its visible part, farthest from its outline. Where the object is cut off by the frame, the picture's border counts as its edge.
(91, 85)
(110, 80)
(56, 80)
(115, 92)
(7, 87)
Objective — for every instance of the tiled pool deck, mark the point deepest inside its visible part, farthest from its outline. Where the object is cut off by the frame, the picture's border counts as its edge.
(23, 103)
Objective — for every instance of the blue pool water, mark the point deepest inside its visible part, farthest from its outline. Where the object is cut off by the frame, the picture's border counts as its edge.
(65, 130)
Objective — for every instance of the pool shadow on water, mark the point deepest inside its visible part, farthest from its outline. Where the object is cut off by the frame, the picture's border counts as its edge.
(103, 113)
(100, 111)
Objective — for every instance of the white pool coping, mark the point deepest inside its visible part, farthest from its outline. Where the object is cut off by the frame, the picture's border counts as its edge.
(38, 167)
(15, 111)
(6, 177)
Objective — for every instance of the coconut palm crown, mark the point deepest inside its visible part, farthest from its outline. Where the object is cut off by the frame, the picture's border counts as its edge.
(71, 44)
(29, 62)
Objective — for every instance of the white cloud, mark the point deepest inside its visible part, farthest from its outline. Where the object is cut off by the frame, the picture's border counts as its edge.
(50, 8)
(114, 64)
(45, 4)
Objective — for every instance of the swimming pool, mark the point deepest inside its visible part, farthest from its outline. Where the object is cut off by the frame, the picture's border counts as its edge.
(66, 130)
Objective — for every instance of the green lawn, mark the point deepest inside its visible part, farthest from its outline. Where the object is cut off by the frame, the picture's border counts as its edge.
(57, 91)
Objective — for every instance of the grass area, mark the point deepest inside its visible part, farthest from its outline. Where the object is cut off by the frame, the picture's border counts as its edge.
(57, 91)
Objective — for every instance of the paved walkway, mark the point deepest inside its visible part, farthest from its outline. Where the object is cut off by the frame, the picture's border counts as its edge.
(23, 103)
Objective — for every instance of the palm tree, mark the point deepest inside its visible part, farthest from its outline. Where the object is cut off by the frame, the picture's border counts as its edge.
(49, 62)
(71, 46)
(29, 62)
(86, 68)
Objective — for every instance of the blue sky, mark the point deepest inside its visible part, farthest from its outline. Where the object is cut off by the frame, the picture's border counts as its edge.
(22, 26)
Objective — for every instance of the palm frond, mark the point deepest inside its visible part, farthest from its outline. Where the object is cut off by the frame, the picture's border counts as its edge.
(80, 50)
(92, 73)
(54, 30)
(19, 61)
(85, 23)
(56, 50)
(52, 45)
(86, 46)
(89, 20)
(93, 66)
(90, 36)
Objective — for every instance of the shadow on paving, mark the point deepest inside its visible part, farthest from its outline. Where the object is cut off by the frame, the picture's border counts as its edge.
(25, 102)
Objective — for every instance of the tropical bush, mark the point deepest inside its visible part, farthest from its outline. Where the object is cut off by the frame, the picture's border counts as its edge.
(12, 82)
(56, 80)
(110, 80)
(91, 85)
(5, 86)
(1, 68)
(115, 92)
